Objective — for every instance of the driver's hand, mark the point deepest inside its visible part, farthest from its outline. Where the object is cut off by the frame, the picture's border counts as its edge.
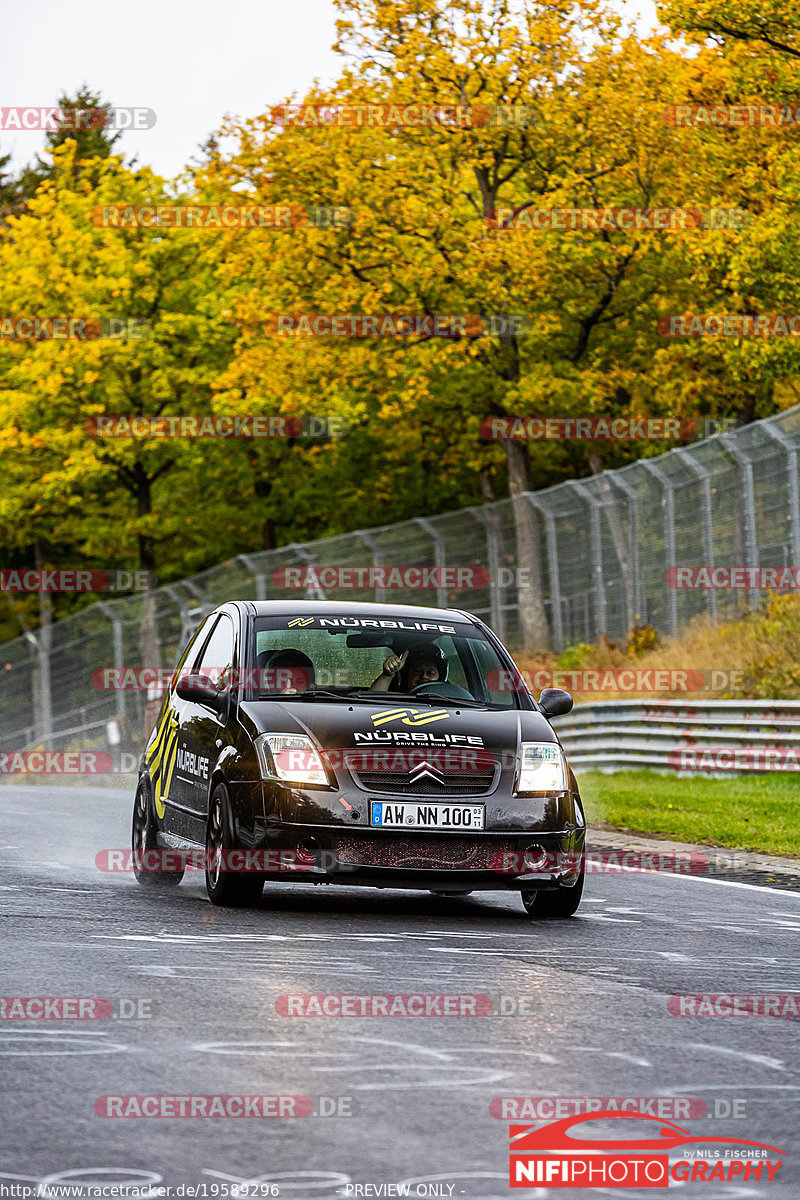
(394, 664)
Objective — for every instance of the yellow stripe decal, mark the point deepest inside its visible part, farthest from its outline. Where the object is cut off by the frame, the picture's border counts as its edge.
(170, 758)
(156, 746)
(157, 765)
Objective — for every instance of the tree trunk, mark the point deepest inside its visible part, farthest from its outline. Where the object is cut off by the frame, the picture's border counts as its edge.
(530, 586)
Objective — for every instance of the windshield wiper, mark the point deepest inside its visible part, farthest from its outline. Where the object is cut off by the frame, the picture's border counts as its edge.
(308, 694)
(417, 696)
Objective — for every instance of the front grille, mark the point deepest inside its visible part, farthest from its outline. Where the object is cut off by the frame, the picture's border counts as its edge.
(450, 773)
(423, 853)
(475, 785)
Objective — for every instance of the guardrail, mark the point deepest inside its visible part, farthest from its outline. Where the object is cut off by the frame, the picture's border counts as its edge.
(712, 737)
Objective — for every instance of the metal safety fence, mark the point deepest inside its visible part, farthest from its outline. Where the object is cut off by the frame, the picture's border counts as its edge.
(584, 558)
(712, 737)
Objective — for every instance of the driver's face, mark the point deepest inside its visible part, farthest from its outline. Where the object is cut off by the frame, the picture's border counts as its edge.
(422, 672)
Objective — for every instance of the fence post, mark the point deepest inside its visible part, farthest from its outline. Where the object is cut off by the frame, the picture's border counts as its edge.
(497, 616)
(438, 556)
(631, 583)
(669, 536)
(728, 444)
(258, 575)
(195, 589)
(116, 637)
(708, 527)
(314, 591)
(377, 560)
(45, 690)
(777, 433)
(597, 550)
(551, 538)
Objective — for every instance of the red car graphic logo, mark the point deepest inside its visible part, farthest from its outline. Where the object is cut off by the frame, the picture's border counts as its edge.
(556, 1137)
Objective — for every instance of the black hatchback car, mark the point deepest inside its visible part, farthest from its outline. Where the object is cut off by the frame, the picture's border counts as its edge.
(360, 744)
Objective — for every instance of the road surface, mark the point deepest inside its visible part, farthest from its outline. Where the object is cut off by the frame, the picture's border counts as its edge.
(579, 1010)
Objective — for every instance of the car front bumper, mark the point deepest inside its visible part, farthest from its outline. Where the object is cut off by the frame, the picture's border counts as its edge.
(383, 858)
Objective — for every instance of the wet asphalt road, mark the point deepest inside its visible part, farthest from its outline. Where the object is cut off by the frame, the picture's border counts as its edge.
(418, 1089)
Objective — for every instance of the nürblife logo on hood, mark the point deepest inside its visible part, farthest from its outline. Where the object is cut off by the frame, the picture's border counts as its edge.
(410, 716)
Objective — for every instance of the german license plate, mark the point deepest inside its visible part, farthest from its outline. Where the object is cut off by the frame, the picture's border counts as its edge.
(426, 816)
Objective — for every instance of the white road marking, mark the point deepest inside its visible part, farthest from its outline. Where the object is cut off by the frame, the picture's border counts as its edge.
(304, 1179)
(753, 887)
(631, 1058)
(13, 1038)
(761, 1060)
(611, 920)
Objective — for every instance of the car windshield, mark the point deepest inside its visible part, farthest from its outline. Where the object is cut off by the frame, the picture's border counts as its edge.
(380, 658)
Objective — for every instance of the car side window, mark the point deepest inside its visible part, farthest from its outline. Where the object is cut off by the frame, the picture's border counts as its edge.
(216, 660)
(498, 683)
(191, 650)
(455, 669)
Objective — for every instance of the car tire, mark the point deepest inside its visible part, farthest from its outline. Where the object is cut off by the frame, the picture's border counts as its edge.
(550, 905)
(143, 838)
(226, 888)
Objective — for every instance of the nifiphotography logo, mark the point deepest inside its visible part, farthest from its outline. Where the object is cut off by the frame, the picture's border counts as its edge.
(557, 1157)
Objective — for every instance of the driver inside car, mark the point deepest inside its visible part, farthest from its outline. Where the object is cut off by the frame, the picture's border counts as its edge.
(288, 671)
(423, 663)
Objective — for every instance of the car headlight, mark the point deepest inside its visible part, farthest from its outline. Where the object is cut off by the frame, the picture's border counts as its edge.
(290, 756)
(541, 768)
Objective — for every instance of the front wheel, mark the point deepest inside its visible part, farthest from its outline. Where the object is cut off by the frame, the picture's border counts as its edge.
(144, 844)
(225, 887)
(549, 905)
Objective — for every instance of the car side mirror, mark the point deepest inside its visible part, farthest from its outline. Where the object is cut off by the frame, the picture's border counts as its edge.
(201, 690)
(554, 702)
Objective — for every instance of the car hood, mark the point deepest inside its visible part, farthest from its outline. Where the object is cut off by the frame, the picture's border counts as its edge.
(338, 726)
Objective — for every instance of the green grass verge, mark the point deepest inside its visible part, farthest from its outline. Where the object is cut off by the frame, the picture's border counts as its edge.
(759, 812)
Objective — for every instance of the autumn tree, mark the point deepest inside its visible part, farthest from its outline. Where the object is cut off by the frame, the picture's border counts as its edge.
(425, 236)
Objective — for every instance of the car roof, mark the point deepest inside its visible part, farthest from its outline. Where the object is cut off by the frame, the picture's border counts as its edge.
(332, 608)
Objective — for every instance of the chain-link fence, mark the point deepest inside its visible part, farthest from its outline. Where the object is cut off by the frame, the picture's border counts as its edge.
(589, 557)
